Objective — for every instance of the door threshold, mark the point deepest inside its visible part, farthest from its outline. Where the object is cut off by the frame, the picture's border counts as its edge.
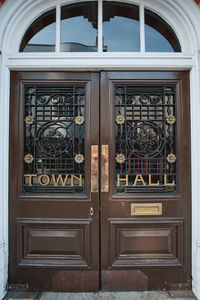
(146, 295)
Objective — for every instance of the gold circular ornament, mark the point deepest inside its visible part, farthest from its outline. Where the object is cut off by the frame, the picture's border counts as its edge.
(171, 158)
(170, 119)
(79, 158)
(79, 120)
(120, 120)
(28, 158)
(120, 158)
(29, 120)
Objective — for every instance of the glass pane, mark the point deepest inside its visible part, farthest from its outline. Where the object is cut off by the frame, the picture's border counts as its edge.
(145, 138)
(41, 35)
(54, 138)
(159, 36)
(79, 27)
(121, 27)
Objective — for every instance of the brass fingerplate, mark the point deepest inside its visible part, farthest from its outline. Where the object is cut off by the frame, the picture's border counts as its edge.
(146, 209)
(104, 168)
(94, 169)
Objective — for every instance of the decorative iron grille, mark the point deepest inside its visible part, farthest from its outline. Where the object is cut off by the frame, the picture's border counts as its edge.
(54, 138)
(145, 138)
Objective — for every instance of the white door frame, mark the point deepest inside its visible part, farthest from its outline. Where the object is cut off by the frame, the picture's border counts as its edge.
(16, 16)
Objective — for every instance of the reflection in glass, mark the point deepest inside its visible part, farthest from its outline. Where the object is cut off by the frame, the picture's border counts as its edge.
(159, 36)
(41, 35)
(121, 28)
(79, 27)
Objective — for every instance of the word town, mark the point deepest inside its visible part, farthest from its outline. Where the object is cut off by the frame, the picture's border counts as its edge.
(56, 180)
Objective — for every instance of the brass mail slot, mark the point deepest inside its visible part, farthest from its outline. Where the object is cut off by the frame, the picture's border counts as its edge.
(145, 209)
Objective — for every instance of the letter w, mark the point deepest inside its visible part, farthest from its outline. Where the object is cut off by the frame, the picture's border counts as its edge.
(59, 179)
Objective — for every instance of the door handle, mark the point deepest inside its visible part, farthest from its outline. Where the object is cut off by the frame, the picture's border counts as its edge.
(94, 169)
(104, 168)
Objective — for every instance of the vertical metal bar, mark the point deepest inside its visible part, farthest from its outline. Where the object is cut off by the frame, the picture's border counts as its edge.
(104, 168)
(142, 28)
(58, 15)
(100, 25)
(94, 169)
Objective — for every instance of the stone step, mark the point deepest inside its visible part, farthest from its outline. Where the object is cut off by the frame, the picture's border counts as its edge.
(147, 295)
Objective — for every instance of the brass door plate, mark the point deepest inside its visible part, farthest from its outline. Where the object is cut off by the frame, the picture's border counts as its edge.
(94, 169)
(146, 209)
(104, 168)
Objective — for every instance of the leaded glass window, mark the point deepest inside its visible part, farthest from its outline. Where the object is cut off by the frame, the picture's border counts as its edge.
(54, 138)
(145, 138)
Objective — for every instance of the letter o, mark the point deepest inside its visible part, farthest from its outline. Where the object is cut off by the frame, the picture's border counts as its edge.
(40, 180)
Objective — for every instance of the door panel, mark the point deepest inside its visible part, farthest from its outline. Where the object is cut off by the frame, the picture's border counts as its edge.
(53, 214)
(145, 215)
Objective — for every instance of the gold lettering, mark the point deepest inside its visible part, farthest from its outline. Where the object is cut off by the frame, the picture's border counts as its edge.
(165, 181)
(30, 176)
(153, 184)
(139, 178)
(59, 179)
(40, 179)
(119, 180)
(77, 178)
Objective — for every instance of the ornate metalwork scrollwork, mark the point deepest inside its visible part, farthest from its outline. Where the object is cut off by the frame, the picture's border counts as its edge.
(145, 146)
(52, 138)
(145, 139)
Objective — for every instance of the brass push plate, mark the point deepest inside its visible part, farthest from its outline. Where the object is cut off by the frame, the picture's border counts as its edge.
(146, 209)
(104, 168)
(94, 169)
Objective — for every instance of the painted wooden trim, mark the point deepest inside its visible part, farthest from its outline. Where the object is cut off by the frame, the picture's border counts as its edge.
(184, 16)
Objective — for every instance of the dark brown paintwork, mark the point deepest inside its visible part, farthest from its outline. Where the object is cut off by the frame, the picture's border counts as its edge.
(127, 279)
(158, 246)
(159, 258)
(36, 257)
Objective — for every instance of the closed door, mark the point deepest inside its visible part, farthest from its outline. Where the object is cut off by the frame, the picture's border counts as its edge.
(99, 181)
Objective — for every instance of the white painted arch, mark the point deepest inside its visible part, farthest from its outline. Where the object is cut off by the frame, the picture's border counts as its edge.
(183, 17)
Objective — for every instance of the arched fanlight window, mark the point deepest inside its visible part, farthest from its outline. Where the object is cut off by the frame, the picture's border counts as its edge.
(121, 27)
(100, 26)
(41, 35)
(159, 36)
(78, 27)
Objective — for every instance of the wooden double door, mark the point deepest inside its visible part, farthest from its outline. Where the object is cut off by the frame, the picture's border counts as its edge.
(99, 181)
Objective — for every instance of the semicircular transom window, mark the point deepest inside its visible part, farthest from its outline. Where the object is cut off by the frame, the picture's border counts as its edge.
(79, 27)
(159, 36)
(41, 35)
(121, 27)
(106, 26)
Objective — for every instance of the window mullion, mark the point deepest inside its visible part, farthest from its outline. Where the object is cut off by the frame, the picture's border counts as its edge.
(142, 28)
(58, 15)
(100, 25)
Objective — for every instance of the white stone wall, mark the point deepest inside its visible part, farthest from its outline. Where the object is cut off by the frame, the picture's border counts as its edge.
(16, 16)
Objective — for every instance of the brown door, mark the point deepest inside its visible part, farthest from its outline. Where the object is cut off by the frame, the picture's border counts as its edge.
(141, 152)
(54, 225)
(145, 207)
